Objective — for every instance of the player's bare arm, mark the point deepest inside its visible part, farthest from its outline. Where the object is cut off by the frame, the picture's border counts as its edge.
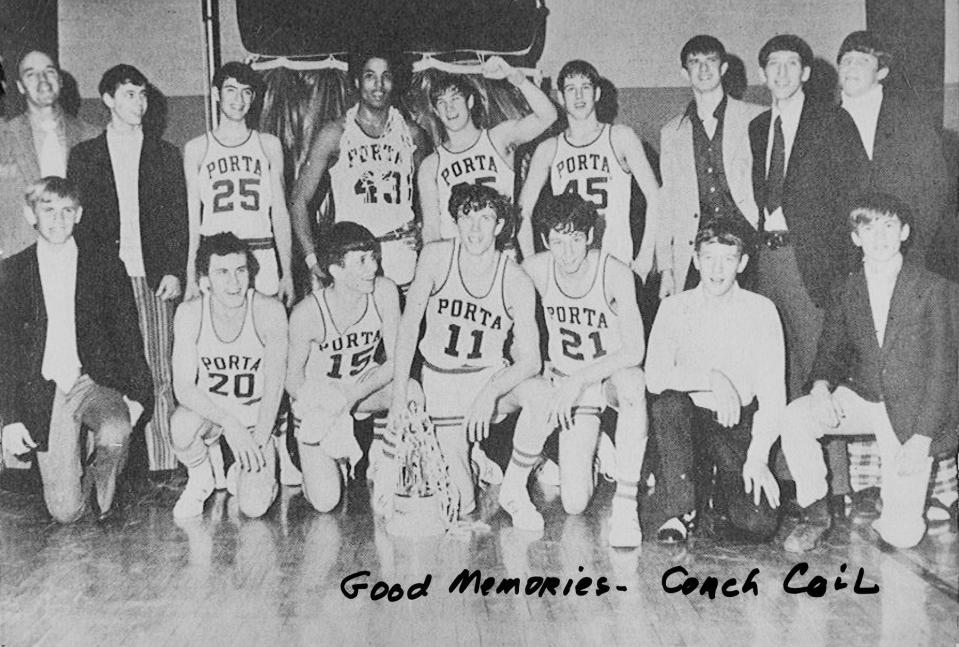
(433, 259)
(280, 217)
(387, 298)
(629, 150)
(269, 316)
(535, 181)
(509, 134)
(429, 198)
(192, 156)
(520, 299)
(306, 326)
(322, 155)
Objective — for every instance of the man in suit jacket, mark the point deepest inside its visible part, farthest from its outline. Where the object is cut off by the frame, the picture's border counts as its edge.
(886, 366)
(706, 164)
(134, 194)
(808, 162)
(72, 353)
(34, 144)
(904, 148)
(907, 161)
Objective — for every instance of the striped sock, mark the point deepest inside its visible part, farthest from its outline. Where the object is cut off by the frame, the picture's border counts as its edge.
(520, 465)
(383, 441)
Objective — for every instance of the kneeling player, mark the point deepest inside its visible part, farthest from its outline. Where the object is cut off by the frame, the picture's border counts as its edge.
(334, 336)
(229, 357)
(595, 347)
(471, 296)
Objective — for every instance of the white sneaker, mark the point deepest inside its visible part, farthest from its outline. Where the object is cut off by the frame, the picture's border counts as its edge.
(624, 530)
(199, 487)
(524, 514)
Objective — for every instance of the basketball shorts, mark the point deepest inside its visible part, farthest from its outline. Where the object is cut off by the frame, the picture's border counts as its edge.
(591, 402)
(450, 393)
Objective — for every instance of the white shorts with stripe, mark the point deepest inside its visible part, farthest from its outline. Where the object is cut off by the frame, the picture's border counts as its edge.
(449, 393)
(593, 400)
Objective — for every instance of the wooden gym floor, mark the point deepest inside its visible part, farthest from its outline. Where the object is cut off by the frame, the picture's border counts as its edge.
(227, 580)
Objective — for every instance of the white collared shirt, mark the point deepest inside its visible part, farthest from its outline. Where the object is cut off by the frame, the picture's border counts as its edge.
(58, 277)
(880, 284)
(125, 157)
(49, 140)
(738, 334)
(790, 114)
(864, 110)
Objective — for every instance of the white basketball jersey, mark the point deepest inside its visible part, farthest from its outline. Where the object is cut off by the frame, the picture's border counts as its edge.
(372, 179)
(235, 191)
(481, 163)
(581, 329)
(231, 371)
(594, 172)
(466, 332)
(347, 354)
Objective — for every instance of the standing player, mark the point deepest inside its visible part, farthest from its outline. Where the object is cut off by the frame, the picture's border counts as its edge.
(234, 181)
(595, 348)
(596, 161)
(372, 153)
(334, 335)
(470, 154)
(471, 296)
(229, 357)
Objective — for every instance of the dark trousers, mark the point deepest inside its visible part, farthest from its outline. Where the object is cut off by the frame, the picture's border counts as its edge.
(691, 443)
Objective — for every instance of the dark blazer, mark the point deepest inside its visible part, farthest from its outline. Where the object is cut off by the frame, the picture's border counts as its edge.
(108, 338)
(163, 206)
(914, 372)
(908, 162)
(826, 168)
(18, 154)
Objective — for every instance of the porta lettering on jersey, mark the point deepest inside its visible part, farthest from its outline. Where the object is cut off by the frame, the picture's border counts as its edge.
(467, 167)
(234, 164)
(232, 376)
(383, 183)
(351, 340)
(460, 309)
(577, 316)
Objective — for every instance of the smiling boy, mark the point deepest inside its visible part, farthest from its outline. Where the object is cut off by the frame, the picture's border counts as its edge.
(886, 366)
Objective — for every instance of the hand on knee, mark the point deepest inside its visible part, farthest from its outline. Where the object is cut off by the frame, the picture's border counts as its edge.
(113, 434)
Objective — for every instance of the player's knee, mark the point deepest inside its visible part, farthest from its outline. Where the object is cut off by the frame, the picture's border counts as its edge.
(114, 433)
(256, 495)
(65, 504)
(323, 499)
(575, 500)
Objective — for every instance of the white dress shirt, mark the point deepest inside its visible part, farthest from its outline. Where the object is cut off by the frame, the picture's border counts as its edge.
(738, 334)
(880, 284)
(49, 139)
(864, 110)
(125, 157)
(790, 113)
(58, 277)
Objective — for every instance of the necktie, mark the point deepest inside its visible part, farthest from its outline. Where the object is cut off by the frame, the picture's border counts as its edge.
(51, 155)
(777, 167)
